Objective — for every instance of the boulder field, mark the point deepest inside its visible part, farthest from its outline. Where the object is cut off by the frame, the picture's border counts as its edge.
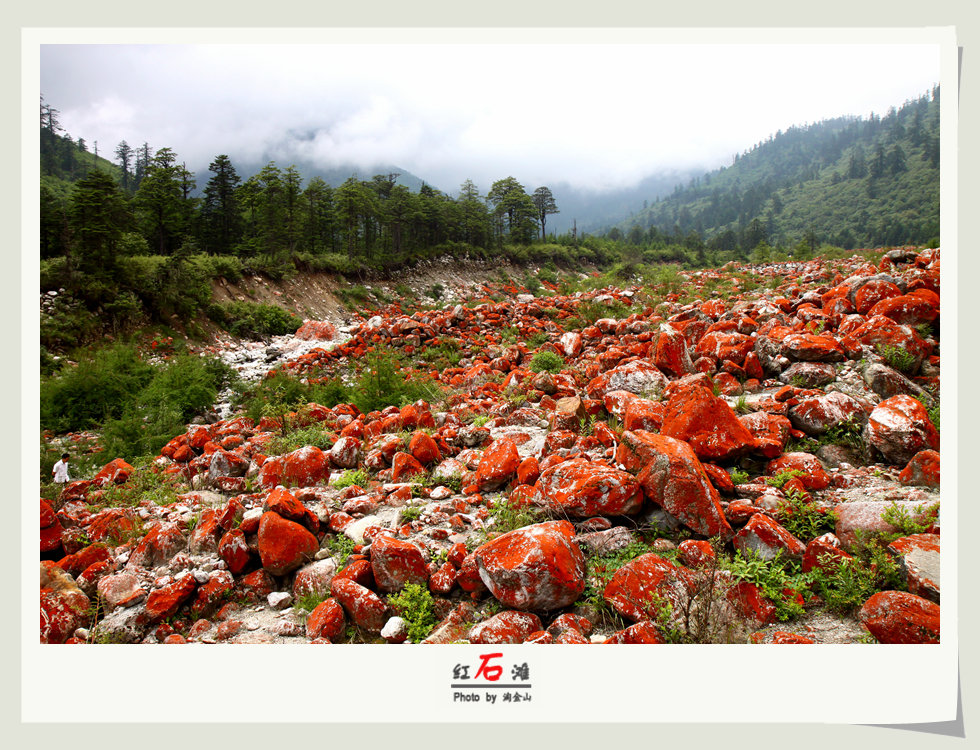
(639, 474)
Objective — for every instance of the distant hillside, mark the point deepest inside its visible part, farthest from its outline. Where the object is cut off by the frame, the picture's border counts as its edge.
(851, 182)
(595, 210)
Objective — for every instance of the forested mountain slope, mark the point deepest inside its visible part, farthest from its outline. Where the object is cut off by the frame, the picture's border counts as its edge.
(850, 182)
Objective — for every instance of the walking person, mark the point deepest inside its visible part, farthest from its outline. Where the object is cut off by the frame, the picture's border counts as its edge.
(60, 470)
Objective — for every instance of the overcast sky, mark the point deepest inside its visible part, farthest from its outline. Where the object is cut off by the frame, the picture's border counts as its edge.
(591, 115)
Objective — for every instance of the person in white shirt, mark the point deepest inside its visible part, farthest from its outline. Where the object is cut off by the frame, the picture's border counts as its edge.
(60, 470)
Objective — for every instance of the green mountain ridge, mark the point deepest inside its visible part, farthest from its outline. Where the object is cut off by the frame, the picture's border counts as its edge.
(848, 181)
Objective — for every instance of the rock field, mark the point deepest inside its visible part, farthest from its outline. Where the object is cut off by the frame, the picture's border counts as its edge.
(751, 458)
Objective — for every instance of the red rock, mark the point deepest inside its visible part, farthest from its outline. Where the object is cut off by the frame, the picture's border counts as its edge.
(233, 549)
(643, 414)
(922, 470)
(813, 477)
(396, 563)
(403, 466)
(537, 567)
(751, 603)
(284, 545)
(573, 621)
(365, 608)
(670, 352)
(303, 467)
(116, 471)
(211, 596)
(823, 555)
(674, 479)
(765, 537)
(160, 544)
(257, 585)
(528, 471)
(918, 556)
(640, 632)
(695, 553)
(506, 627)
(809, 374)
(283, 502)
(498, 464)
(358, 570)
(120, 590)
(586, 488)
(165, 602)
(811, 347)
(346, 452)
(900, 617)
(319, 330)
(76, 563)
(640, 589)
(637, 376)
(424, 449)
(443, 579)
(911, 310)
(326, 621)
(720, 478)
(58, 618)
(50, 529)
(879, 331)
(782, 637)
(708, 424)
(815, 416)
(468, 576)
(570, 635)
(769, 431)
(864, 519)
(228, 629)
(314, 578)
(899, 427)
(731, 346)
(872, 292)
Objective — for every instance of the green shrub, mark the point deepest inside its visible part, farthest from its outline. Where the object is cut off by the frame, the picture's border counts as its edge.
(781, 478)
(897, 358)
(846, 584)
(803, 518)
(341, 547)
(314, 434)
(97, 389)
(254, 319)
(383, 382)
(414, 603)
(546, 361)
(182, 388)
(351, 477)
(772, 577)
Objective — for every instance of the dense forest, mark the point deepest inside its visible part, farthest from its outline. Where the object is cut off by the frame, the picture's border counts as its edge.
(849, 182)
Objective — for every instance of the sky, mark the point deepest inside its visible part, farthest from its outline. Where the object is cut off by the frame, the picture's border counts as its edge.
(595, 116)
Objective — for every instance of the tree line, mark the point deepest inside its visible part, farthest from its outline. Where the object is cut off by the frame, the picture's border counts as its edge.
(145, 203)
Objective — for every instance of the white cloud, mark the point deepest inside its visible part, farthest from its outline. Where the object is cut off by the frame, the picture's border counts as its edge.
(589, 114)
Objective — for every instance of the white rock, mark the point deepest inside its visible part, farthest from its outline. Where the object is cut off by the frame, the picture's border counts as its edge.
(279, 599)
(395, 630)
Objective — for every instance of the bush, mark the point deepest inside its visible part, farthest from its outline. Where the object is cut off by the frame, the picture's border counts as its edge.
(546, 361)
(184, 387)
(254, 319)
(97, 389)
(414, 603)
